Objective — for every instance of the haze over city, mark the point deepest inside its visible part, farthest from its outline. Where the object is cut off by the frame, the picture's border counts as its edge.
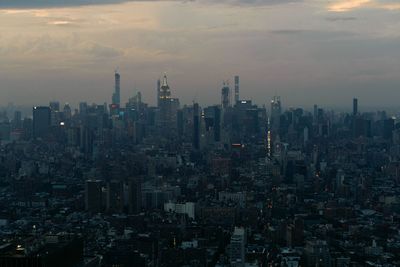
(307, 51)
(203, 133)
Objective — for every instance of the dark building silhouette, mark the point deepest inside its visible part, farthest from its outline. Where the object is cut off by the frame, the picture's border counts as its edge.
(355, 106)
(236, 89)
(93, 196)
(116, 98)
(41, 121)
(134, 195)
(196, 126)
(225, 96)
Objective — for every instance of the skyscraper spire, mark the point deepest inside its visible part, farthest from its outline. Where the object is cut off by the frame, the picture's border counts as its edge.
(165, 81)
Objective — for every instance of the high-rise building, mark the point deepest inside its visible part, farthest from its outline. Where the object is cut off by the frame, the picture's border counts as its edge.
(276, 111)
(317, 253)
(5, 131)
(56, 115)
(115, 196)
(180, 123)
(237, 247)
(41, 121)
(164, 92)
(196, 126)
(116, 98)
(67, 112)
(134, 196)
(55, 106)
(93, 196)
(158, 92)
(83, 107)
(355, 106)
(236, 89)
(167, 106)
(388, 127)
(212, 122)
(315, 117)
(17, 120)
(225, 96)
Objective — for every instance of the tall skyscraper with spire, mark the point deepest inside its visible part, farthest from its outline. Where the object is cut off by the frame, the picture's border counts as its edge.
(165, 92)
(116, 98)
(167, 107)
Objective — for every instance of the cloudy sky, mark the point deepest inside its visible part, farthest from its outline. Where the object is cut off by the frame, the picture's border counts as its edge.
(310, 51)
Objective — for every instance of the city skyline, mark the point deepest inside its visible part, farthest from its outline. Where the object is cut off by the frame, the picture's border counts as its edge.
(325, 53)
(202, 133)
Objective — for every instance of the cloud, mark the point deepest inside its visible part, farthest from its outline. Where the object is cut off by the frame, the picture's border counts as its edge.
(347, 5)
(21, 4)
(53, 3)
(254, 2)
(341, 19)
(288, 32)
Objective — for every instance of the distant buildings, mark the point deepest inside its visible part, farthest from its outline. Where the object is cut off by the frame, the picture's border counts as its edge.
(230, 184)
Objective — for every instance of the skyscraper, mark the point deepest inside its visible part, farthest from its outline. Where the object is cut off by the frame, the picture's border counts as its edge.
(115, 201)
(355, 106)
(17, 121)
(196, 126)
(236, 89)
(55, 105)
(164, 104)
(225, 96)
(41, 121)
(212, 121)
(158, 92)
(165, 92)
(237, 247)
(93, 196)
(134, 195)
(217, 124)
(167, 107)
(276, 110)
(315, 117)
(116, 98)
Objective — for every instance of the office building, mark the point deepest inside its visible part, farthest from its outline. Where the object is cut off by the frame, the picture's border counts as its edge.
(236, 89)
(115, 196)
(355, 106)
(41, 121)
(276, 110)
(237, 247)
(116, 98)
(134, 195)
(225, 95)
(93, 196)
(196, 126)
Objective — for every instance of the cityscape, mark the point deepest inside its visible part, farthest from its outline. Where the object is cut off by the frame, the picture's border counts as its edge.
(231, 184)
(199, 133)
